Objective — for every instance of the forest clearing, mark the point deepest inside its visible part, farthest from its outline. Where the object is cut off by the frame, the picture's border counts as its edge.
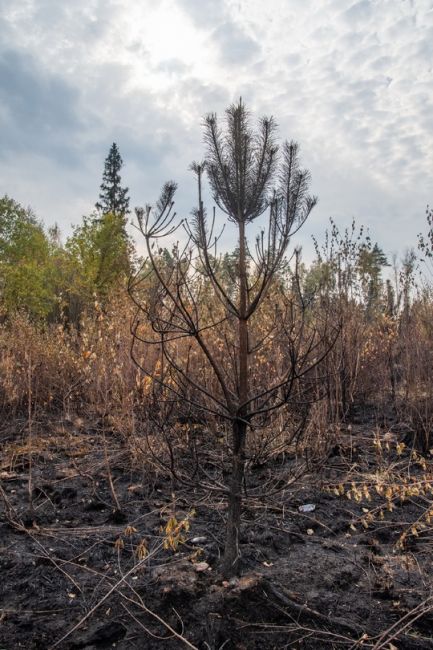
(213, 449)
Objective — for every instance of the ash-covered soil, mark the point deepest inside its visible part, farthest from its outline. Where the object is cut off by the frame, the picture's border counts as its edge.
(76, 573)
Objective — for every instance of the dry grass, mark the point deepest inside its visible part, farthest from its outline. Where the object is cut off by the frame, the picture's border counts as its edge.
(88, 376)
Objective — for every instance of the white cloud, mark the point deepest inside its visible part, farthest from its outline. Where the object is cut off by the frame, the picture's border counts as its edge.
(351, 80)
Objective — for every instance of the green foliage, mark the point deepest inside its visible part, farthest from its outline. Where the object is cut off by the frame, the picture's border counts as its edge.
(347, 265)
(99, 256)
(49, 281)
(371, 260)
(11, 214)
(27, 262)
(318, 279)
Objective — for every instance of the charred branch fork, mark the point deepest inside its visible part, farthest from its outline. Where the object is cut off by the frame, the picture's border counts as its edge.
(194, 293)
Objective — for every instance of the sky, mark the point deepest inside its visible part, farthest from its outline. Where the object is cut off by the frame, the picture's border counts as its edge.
(350, 80)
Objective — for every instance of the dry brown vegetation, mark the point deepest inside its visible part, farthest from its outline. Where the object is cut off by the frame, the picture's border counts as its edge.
(77, 411)
(121, 433)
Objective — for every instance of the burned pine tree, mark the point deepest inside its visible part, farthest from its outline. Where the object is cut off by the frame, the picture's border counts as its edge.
(235, 343)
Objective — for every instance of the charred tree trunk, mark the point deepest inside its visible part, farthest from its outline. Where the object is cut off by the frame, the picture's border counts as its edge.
(230, 564)
(231, 552)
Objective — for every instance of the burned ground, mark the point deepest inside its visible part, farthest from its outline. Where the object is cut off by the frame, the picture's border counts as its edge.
(77, 573)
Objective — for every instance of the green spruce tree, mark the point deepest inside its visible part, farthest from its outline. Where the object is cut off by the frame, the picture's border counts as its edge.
(113, 198)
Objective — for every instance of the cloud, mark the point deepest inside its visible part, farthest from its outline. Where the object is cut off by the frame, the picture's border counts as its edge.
(235, 46)
(173, 67)
(39, 110)
(350, 80)
(358, 12)
(204, 13)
